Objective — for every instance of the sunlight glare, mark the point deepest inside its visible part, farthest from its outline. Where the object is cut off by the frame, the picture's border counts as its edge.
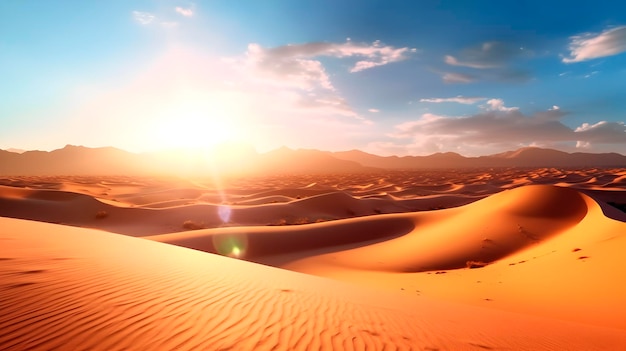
(198, 121)
(231, 244)
(224, 212)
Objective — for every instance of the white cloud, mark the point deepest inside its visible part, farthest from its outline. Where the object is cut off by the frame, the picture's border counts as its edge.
(185, 12)
(373, 110)
(602, 132)
(498, 105)
(143, 17)
(588, 46)
(296, 68)
(458, 99)
(501, 127)
(451, 78)
(582, 144)
(380, 57)
(285, 69)
(453, 61)
(374, 54)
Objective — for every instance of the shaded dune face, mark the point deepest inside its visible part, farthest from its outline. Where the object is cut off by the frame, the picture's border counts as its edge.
(474, 235)
(256, 243)
(470, 236)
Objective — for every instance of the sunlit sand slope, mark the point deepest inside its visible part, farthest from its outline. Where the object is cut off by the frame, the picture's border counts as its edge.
(475, 234)
(164, 205)
(66, 288)
(538, 249)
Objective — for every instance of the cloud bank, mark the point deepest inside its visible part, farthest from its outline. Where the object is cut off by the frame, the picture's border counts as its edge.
(499, 126)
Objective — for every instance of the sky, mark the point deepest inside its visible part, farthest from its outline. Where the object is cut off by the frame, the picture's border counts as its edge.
(386, 77)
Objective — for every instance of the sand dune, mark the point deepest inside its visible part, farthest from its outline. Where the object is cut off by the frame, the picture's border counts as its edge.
(163, 205)
(522, 259)
(424, 241)
(72, 288)
(504, 235)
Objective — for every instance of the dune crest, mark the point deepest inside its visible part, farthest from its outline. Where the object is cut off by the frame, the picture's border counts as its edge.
(491, 229)
(459, 260)
(73, 288)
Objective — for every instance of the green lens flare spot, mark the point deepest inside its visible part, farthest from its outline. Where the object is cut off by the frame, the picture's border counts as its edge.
(236, 252)
(231, 245)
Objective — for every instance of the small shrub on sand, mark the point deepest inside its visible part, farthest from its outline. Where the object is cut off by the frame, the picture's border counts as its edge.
(102, 214)
(475, 264)
(281, 221)
(302, 220)
(292, 221)
(191, 225)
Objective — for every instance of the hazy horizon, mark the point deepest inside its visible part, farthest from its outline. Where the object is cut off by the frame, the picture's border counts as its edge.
(243, 147)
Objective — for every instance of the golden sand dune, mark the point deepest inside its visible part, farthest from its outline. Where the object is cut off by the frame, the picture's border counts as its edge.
(84, 210)
(163, 205)
(507, 261)
(76, 289)
(507, 236)
(491, 229)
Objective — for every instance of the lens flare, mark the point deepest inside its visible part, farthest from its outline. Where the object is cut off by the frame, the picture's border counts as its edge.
(224, 212)
(236, 252)
(231, 245)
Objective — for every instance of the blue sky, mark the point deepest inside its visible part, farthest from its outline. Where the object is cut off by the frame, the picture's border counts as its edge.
(388, 77)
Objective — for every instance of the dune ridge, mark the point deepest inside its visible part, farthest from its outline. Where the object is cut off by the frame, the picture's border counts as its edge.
(164, 204)
(81, 289)
(506, 230)
(234, 159)
(421, 241)
(525, 259)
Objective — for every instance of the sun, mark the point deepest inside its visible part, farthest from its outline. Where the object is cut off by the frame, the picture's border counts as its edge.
(198, 121)
(194, 130)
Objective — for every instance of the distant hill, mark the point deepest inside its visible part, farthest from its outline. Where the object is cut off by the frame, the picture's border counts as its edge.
(75, 160)
(241, 160)
(229, 159)
(438, 160)
(525, 157)
(17, 151)
(306, 161)
(537, 157)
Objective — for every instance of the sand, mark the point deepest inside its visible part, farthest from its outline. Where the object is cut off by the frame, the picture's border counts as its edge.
(520, 259)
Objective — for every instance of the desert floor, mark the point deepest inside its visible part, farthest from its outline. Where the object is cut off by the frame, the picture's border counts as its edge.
(491, 259)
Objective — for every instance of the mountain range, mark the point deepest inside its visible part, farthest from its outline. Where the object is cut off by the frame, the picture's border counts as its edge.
(524, 157)
(233, 159)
